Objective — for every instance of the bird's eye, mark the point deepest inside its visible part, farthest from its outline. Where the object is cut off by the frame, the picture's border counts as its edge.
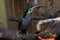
(30, 10)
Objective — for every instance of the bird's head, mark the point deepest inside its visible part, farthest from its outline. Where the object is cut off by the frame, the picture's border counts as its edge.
(34, 9)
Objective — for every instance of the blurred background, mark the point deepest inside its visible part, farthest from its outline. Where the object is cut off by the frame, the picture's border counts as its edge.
(16, 8)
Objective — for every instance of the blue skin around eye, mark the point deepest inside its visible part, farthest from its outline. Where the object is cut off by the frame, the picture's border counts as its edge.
(30, 10)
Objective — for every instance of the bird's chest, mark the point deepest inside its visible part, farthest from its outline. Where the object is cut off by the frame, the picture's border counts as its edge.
(26, 20)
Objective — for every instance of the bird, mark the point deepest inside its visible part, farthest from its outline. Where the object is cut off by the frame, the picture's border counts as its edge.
(26, 19)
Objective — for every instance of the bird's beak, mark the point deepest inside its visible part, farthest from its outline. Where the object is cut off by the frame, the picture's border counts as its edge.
(38, 6)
